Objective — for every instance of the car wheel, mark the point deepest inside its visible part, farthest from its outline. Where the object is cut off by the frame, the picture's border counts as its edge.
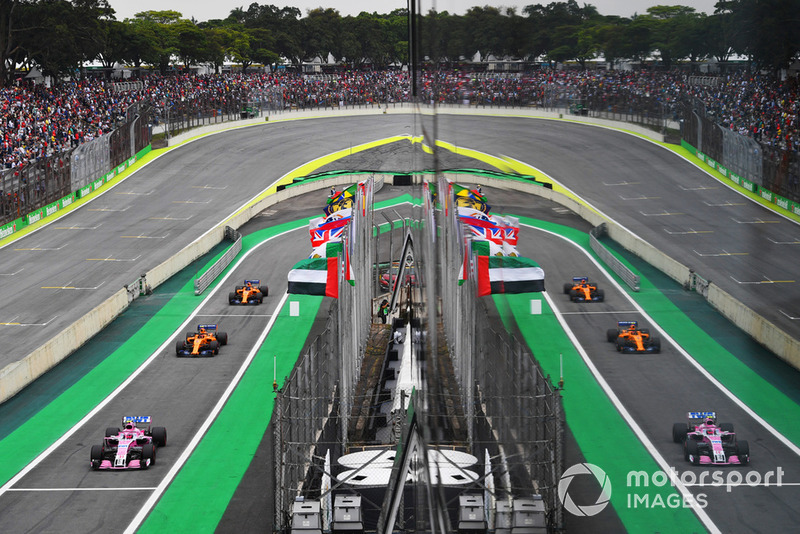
(611, 335)
(264, 290)
(179, 346)
(148, 453)
(232, 298)
(656, 344)
(743, 451)
(159, 435)
(213, 346)
(96, 456)
(112, 431)
(692, 452)
(726, 427)
(679, 431)
(222, 337)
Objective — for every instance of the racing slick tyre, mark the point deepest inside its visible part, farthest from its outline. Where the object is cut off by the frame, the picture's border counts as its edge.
(743, 451)
(96, 456)
(112, 431)
(573, 295)
(692, 452)
(601, 295)
(656, 344)
(159, 435)
(726, 427)
(567, 288)
(611, 335)
(679, 432)
(222, 337)
(238, 288)
(179, 346)
(264, 290)
(232, 298)
(148, 453)
(213, 346)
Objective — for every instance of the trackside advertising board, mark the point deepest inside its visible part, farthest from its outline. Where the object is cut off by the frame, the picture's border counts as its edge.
(766, 194)
(40, 213)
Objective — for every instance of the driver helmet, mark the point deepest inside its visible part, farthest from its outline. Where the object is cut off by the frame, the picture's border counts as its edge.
(632, 327)
(249, 285)
(202, 330)
(129, 425)
(584, 283)
(709, 421)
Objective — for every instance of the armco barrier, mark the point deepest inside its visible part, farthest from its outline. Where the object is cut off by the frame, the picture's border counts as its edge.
(763, 331)
(205, 280)
(617, 266)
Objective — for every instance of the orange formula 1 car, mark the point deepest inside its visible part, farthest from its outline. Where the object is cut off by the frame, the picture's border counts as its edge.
(250, 293)
(628, 337)
(205, 342)
(582, 290)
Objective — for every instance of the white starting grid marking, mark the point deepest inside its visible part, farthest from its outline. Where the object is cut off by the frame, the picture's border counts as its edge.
(11, 323)
(663, 213)
(109, 258)
(797, 242)
(790, 317)
(134, 193)
(620, 183)
(642, 197)
(723, 253)
(12, 274)
(142, 236)
(109, 209)
(170, 218)
(43, 249)
(758, 220)
(689, 231)
(209, 187)
(701, 188)
(74, 287)
(190, 202)
(77, 227)
(722, 204)
(766, 281)
(83, 489)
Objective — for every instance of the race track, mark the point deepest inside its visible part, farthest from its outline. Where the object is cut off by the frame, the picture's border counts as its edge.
(71, 265)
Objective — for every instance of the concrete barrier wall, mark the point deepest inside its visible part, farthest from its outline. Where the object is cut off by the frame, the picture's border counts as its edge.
(760, 329)
(14, 377)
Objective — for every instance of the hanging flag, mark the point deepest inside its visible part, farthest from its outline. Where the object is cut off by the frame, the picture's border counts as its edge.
(331, 249)
(508, 275)
(315, 277)
(348, 268)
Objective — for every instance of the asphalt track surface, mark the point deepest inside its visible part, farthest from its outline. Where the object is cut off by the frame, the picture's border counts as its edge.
(648, 386)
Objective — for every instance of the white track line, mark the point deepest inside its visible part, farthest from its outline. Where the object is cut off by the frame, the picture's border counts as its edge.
(159, 351)
(716, 383)
(637, 430)
(189, 449)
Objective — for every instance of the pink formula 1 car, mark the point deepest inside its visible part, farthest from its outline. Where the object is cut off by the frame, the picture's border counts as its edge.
(133, 447)
(706, 443)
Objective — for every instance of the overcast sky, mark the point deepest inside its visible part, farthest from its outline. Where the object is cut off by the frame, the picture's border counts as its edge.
(203, 10)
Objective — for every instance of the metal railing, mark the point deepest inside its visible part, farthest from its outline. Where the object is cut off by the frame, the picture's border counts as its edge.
(617, 266)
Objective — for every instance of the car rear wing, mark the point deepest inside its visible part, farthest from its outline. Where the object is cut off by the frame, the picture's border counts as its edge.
(136, 419)
(701, 415)
(625, 324)
(207, 326)
(252, 282)
(579, 279)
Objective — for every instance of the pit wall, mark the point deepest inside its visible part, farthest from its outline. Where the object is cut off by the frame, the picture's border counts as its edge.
(759, 328)
(16, 376)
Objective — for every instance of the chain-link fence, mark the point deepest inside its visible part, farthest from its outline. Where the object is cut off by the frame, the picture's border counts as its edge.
(24, 190)
(773, 168)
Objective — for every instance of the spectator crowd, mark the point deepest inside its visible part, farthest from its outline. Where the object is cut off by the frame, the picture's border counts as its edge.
(37, 121)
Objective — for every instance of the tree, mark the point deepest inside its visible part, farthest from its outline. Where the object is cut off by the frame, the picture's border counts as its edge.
(158, 37)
